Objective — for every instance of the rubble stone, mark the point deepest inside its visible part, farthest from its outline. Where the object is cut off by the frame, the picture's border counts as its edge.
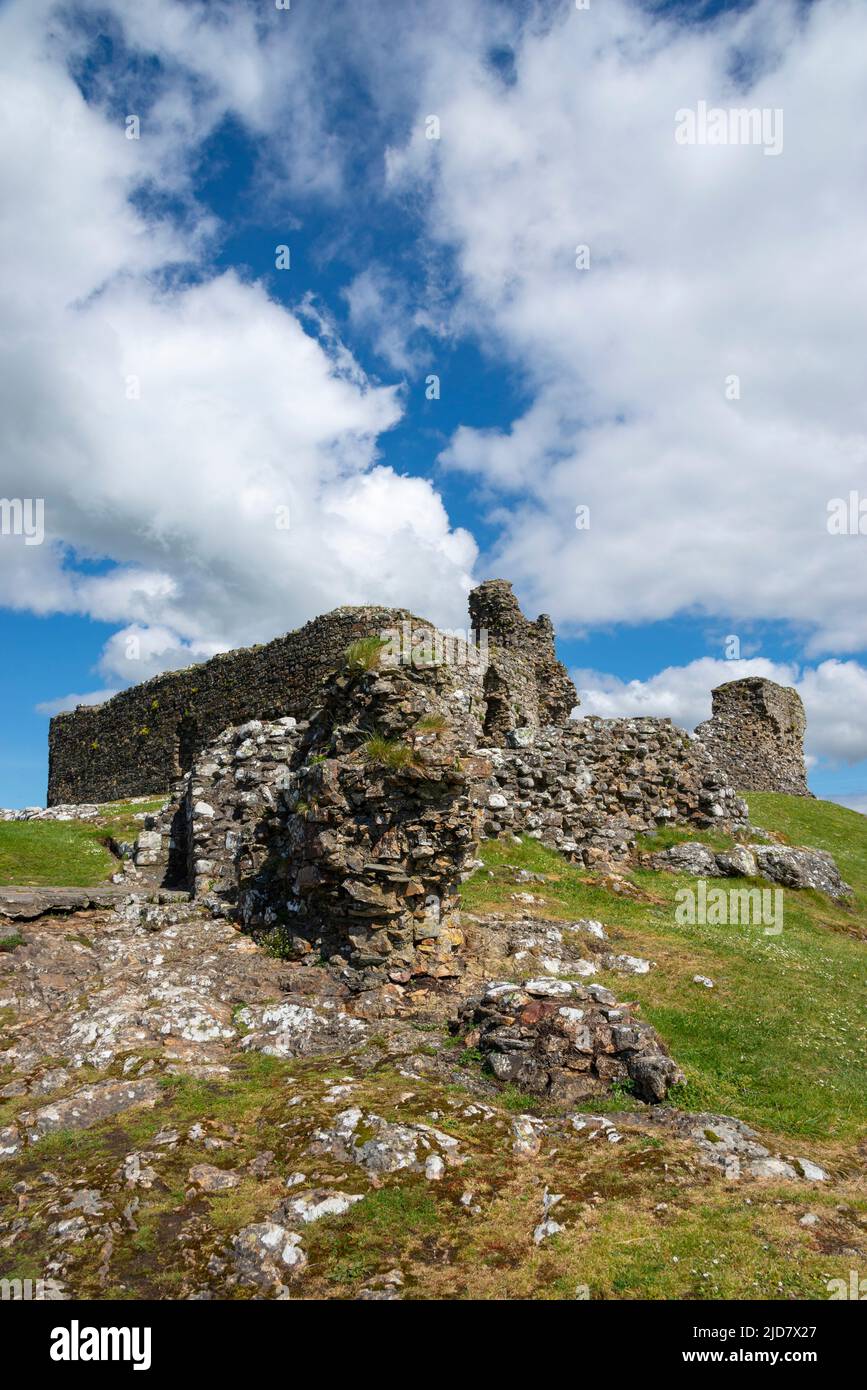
(567, 1052)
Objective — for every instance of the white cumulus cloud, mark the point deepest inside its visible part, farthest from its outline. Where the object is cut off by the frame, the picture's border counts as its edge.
(706, 263)
(210, 455)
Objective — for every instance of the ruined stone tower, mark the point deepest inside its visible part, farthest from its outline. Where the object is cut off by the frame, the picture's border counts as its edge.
(526, 687)
(756, 736)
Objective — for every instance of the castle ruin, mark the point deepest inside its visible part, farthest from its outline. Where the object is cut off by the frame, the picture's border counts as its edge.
(140, 741)
(339, 802)
(755, 735)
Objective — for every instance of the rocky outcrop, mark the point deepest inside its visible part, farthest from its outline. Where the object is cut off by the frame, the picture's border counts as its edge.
(727, 1144)
(795, 867)
(232, 1101)
(148, 988)
(755, 736)
(25, 904)
(787, 865)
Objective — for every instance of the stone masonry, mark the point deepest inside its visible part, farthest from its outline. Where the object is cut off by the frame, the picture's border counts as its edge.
(144, 738)
(348, 833)
(589, 788)
(756, 736)
(344, 812)
(526, 687)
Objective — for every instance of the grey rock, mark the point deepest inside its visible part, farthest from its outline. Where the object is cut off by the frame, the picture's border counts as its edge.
(210, 1179)
(692, 858)
(88, 1106)
(738, 862)
(265, 1253)
(801, 868)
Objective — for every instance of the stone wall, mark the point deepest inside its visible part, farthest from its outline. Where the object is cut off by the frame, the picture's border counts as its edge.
(292, 826)
(587, 789)
(310, 830)
(143, 739)
(756, 736)
(525, 685)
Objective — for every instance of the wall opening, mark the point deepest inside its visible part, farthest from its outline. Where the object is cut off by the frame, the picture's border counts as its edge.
(187, 744)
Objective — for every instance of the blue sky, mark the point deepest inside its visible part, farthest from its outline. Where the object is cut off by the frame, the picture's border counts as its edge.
(151, 261)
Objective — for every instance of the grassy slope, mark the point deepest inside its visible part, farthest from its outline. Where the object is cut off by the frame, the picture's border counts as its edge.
(780, 1041)
(67, 854)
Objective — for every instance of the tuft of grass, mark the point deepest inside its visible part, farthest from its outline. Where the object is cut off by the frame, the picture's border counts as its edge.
(373, 1234)
(364, 654)
(519, 1102)
(9, 943)
(664, 836)
(386, 752)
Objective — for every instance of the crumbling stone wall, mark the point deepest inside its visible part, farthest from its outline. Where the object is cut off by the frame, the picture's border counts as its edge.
(755, 735)
(567, 1042)
(228, 799)
(587, 789)
(292, 827)
(525, 685)
(298, 828)
(215, 823)
(369, 852)
(143, 739)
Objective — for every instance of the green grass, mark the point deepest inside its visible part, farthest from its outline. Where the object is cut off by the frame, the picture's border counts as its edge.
(667, 835)
(374, 1234)
(68, 854)
(641, 1219)
(780, 1040)
(384, 752)
(432, 724)
(365, 654)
